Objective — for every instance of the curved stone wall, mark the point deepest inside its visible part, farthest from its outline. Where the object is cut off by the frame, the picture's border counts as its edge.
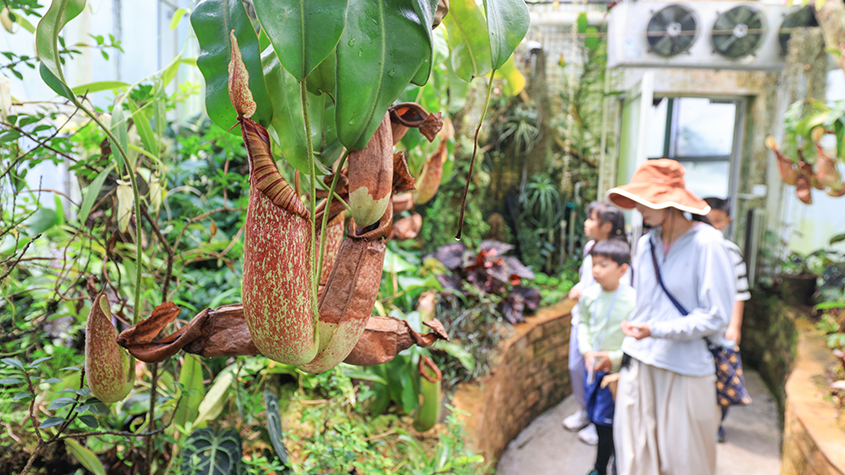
(814, 432)
(531, 376)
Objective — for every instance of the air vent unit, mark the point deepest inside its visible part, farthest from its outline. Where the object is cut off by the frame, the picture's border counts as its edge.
(671, 31)
(739, 31)
(801, 18)
(698, 34)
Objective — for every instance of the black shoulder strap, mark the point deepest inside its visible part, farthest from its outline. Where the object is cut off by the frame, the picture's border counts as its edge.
(660, 281)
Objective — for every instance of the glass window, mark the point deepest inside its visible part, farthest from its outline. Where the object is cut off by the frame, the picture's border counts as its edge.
(708, 178)
(704, 128)
(656, 134)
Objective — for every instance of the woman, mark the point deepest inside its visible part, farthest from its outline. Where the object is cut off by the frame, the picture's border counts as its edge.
(666, 412)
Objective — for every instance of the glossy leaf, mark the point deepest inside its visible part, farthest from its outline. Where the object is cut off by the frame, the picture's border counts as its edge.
(91, 194)
(303, 33)
(322, 79)
(141, 118)
(85, 456)
(193, 391)
(51, 422)
(507, 24)
(288, 124)
(213, 21)
(210, 453)
(470, 49)
(381, 50)
(47, 33)
(54, 83)
(425, 10)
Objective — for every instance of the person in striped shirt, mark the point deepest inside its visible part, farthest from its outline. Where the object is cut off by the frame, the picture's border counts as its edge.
(720, 217)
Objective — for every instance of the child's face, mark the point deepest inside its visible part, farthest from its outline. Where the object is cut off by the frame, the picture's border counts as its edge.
(719, 219)
(607, 272)
(594, 229)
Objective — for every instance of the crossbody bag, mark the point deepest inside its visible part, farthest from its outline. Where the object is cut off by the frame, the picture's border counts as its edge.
(730, 383)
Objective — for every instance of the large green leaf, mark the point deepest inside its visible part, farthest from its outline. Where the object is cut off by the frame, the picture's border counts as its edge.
(303, 33)
(212, 21)
(382, 47)
(47, 33)
(85, 456)
(425, 10)
(99, 86)
(468, 43)
(210, 453)
(507, 24)
(322, 79)
(288, 124)
(213, 402)
(91, 195)
(193, 391)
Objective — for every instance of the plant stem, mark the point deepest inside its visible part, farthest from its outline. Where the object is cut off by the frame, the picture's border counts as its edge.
(125, 158)
(151, 416)
(326, 212)
(474, 151)
(315, 280)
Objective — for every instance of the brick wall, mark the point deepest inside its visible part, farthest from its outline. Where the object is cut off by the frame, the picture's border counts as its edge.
(531, 376)
(814, 435)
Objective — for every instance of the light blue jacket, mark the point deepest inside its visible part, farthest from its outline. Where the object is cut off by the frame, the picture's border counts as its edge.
(699, 273)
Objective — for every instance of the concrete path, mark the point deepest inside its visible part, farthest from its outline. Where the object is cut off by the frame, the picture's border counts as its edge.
(752, 445)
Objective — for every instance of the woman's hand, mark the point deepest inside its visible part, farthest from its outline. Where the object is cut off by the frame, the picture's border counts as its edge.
(734, 334)
(636, 330)
(602, 361)
(588, 359)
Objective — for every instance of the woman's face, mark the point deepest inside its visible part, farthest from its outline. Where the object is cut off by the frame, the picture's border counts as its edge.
(652, 217)
(592, 226)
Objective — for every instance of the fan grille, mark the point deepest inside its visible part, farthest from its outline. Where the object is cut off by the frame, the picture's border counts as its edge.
(738, 32)
(803, 17)
(671, 30)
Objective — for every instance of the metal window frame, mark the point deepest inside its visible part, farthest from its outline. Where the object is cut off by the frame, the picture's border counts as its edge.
(670, 137)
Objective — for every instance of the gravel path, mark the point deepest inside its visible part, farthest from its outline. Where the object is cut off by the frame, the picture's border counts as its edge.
(752, 445)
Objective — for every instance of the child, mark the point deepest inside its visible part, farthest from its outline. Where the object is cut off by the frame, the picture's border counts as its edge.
(720, 217)
(604, 221)
(603, 308)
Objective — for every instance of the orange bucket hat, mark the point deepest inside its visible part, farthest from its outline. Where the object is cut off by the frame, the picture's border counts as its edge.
(658, 184)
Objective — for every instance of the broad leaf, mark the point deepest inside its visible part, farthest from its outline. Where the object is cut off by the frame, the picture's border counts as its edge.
(47, 33)
(381, 50)
(210, 453)
(322, 79)
(288, 124)
(213, 21)
(213, 402)
(141, 118)
(507, 24)
(99, 86)
(51, 422)
(425, 10)
(303, 33)
(85, 456)
(190, 378)
(470, 49)
(274, 425)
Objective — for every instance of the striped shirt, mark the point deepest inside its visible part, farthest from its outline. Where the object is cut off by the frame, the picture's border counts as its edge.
(742, 292)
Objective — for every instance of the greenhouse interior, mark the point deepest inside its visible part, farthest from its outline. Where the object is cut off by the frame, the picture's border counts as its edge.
(591, 237)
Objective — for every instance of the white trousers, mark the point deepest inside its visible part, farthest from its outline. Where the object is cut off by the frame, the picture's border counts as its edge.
(665, 423)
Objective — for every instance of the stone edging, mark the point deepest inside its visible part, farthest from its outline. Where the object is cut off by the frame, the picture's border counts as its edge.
(814, 442)
(531, 376)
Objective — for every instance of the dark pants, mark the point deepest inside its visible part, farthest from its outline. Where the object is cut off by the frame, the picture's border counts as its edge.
(604, 449)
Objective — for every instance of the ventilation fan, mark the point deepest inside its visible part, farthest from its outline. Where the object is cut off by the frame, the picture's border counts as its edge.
(802, 18)
(738, 32)
(671, 31)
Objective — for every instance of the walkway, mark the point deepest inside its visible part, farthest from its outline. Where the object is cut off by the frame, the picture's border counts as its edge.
(752, 446)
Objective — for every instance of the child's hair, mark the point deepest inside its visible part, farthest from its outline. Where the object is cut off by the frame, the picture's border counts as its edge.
(608, 212)
(719, 204)
(616, 250)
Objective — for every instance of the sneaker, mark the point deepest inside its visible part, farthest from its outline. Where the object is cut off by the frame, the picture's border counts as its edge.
(588, 435)
(576, 421)
(720, 435)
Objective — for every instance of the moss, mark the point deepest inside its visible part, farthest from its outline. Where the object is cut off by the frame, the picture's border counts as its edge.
(769, 340)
